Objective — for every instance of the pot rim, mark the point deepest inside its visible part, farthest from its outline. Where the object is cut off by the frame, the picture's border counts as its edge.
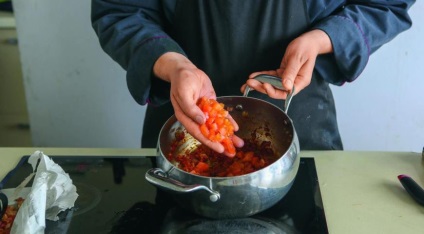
(173, 167)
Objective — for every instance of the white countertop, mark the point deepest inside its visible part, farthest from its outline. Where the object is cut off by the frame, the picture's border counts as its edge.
(360, 190)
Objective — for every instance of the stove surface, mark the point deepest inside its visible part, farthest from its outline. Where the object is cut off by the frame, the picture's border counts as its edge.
(114, 197)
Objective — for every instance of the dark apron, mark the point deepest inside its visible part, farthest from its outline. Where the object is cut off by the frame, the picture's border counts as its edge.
(230, 39)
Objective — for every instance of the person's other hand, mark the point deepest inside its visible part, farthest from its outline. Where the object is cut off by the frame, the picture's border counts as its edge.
(188, 84)
(296, 66)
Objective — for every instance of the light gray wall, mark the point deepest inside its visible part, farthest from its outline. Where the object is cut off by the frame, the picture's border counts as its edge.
(384, 108)
(77, 96)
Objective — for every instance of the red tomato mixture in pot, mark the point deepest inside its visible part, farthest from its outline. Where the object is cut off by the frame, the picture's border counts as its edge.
(9, 216)
(203, 161)
(206, 162)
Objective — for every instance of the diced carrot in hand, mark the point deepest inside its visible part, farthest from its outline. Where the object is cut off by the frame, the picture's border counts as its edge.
(204, 130)
(229, 146)
(217, 128)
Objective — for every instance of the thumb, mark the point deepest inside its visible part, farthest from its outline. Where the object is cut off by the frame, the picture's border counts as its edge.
(193, 112)
(289, 75)
(187, 110)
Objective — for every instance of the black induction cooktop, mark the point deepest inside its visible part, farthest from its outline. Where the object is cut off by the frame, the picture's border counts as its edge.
(114, 197)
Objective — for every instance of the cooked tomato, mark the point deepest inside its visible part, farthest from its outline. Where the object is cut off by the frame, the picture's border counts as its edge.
(9, 216)
(203, 161)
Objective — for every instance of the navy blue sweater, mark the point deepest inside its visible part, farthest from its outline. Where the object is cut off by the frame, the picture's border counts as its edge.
(136, 32)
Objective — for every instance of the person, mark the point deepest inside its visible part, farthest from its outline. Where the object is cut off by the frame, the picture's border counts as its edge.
(175, 52)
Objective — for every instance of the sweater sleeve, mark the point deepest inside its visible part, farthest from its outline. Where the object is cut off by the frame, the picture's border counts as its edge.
(132, 33)
(357, 30)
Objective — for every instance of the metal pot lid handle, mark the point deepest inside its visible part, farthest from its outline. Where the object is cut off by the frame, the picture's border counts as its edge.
(276, 83)
(159, 178)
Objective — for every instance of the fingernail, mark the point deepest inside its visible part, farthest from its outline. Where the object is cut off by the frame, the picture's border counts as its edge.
(288, 83)
(199, 119)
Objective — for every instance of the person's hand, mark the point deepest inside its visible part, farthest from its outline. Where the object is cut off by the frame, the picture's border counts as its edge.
(188, 84)
(296, 66)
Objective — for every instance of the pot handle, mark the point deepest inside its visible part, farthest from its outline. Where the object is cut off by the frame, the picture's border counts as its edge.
(3, 204)
(276, 82)
(159, 178)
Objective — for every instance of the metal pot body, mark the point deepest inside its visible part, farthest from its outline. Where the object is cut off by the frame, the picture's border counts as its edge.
(238, 196)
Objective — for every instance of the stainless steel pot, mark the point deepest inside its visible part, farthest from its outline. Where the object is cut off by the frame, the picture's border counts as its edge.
(238, 196)
(3, 204)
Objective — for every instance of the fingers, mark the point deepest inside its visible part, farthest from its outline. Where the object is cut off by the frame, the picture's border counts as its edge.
(256, 85)
(299, 60)
(193, 129)
(298, 74)
(233, 122)
(271, 72)
(238, 142)
(192, 111)
(266, 88)
(186, 90)
(289, 75)
(294, 72)
(188, 85)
